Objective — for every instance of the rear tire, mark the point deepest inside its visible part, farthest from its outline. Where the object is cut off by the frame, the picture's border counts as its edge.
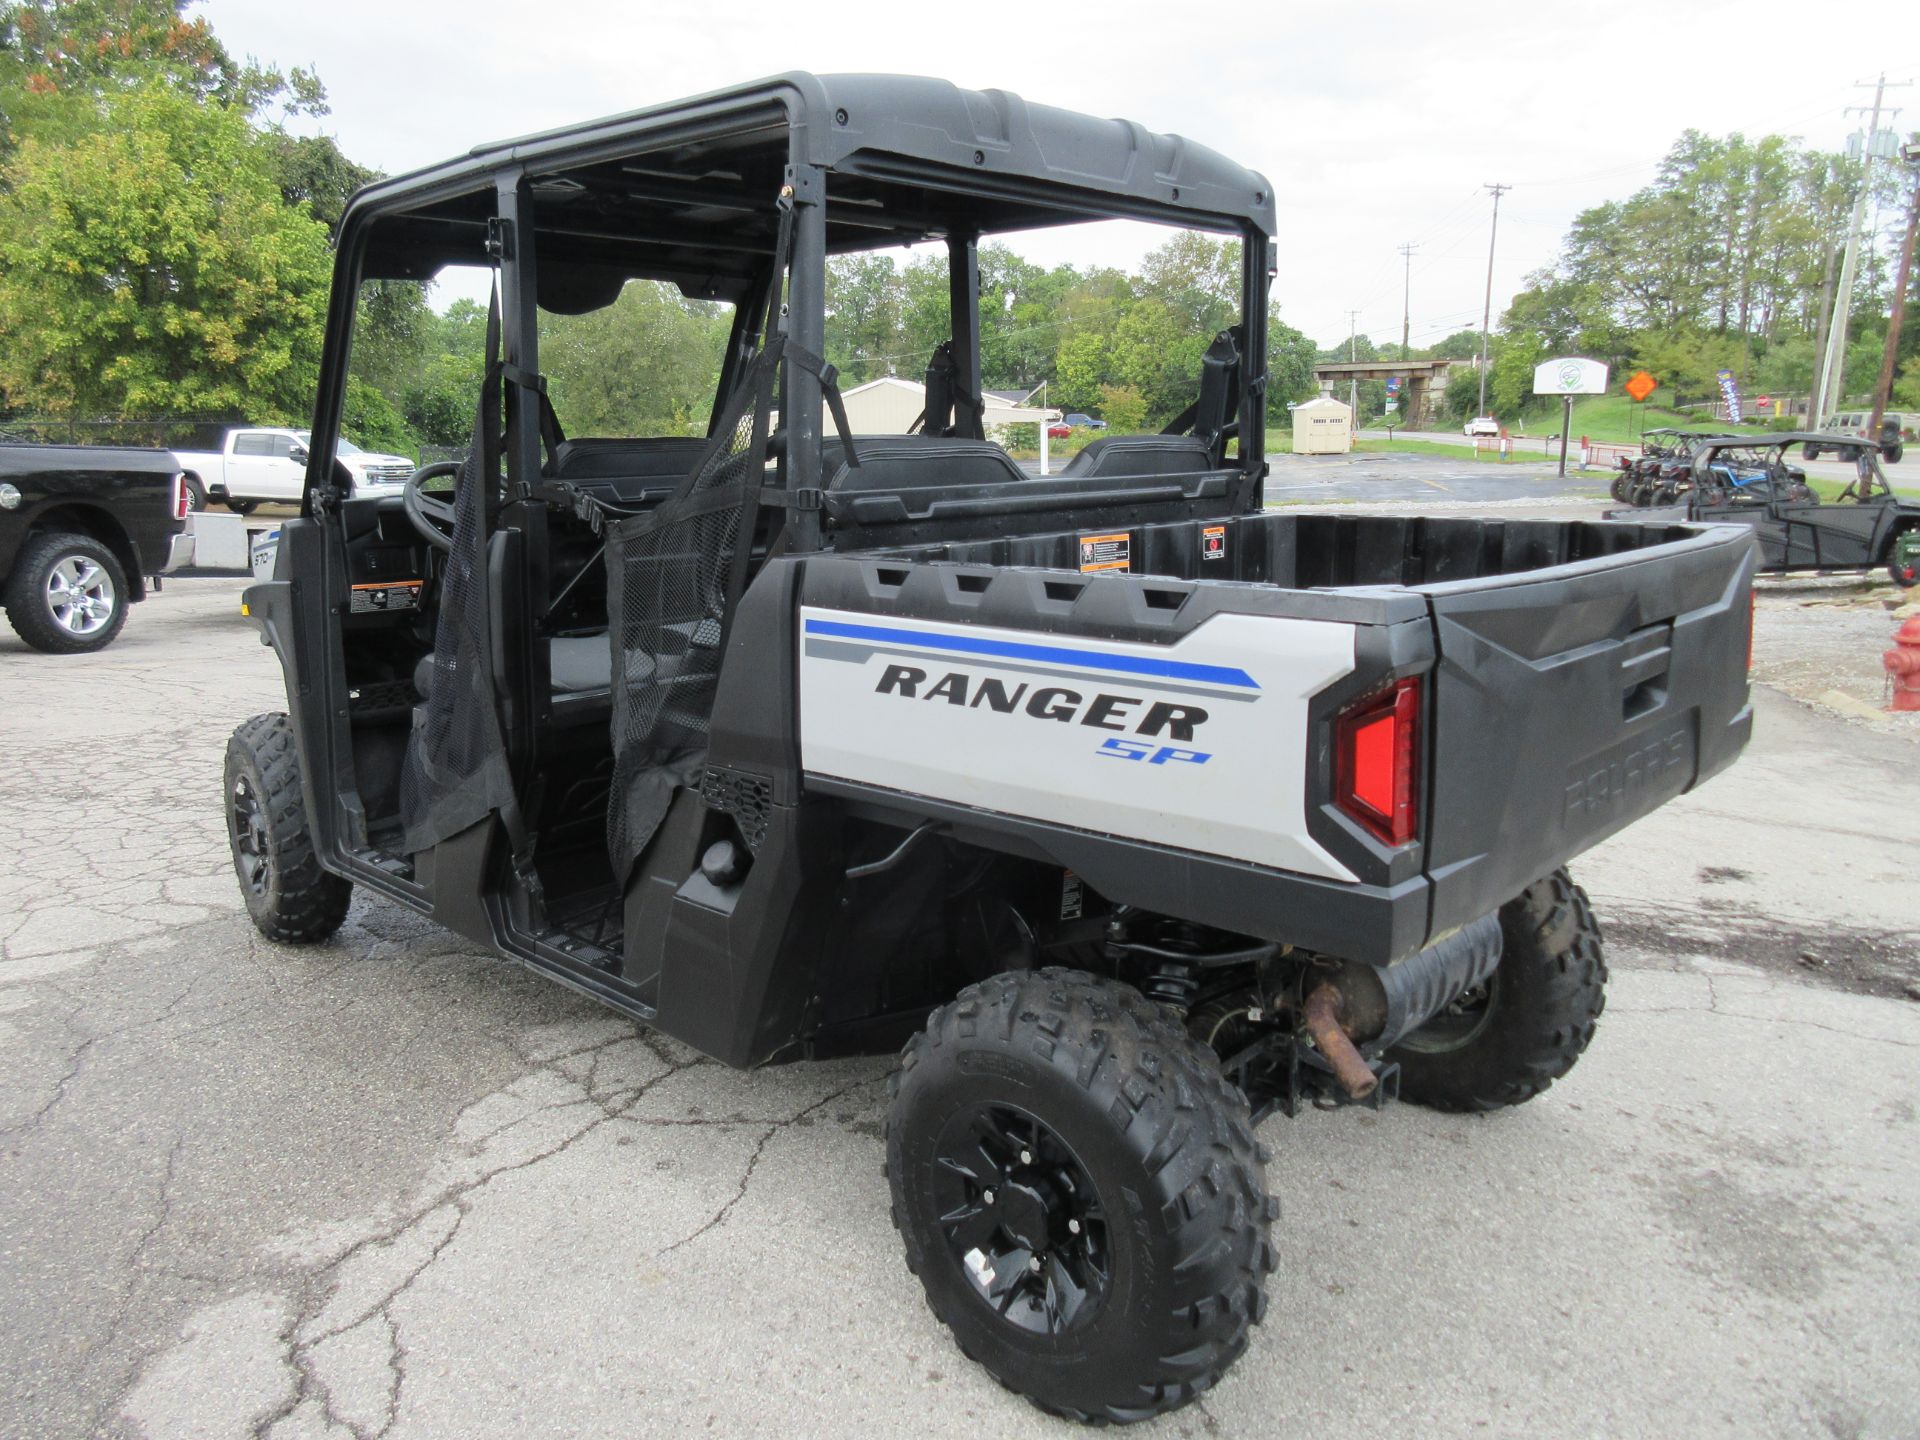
(290, 897)
(242, 507)
(196, 494)
(1060, 1120)
(68, 594)
(1510, 1039)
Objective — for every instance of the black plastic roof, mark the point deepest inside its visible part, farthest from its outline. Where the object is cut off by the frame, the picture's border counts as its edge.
(909, 158)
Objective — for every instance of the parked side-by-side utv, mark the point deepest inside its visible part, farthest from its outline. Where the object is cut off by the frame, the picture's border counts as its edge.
(1133, 811)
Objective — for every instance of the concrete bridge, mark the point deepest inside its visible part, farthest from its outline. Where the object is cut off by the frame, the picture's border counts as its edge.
(1421, 382)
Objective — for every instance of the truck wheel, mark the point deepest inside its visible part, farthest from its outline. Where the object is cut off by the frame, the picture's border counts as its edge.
(290, 897)
(196, 494)
(1080, 1194)
(242, 507)
(68, 594)
(1506, 1041)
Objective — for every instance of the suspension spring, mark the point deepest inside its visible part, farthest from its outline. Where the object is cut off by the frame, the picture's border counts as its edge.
(1172, 983)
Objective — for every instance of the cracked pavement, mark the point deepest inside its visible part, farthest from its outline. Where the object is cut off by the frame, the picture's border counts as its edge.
(392, 1187)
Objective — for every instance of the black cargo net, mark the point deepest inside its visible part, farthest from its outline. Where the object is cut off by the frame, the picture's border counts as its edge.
(456, 765)
(672, 577)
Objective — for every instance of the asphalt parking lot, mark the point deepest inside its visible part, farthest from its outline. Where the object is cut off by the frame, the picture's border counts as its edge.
(391, 1187)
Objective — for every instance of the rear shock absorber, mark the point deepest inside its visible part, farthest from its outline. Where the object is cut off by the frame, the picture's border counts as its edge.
(1173, 983)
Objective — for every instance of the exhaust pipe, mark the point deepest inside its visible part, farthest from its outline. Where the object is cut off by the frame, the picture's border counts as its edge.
(1322, 1016)
(1382, 1004)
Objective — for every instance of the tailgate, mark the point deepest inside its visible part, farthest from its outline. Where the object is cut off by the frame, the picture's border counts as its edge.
(1571, 701)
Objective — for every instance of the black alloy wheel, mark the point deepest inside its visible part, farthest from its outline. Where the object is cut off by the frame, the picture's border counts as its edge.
(1021, 1217)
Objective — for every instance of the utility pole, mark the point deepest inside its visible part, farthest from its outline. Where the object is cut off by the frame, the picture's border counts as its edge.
(1353, 356)
(1406, 303)
(1486, 314)
(1911, 154)
(1833, 361)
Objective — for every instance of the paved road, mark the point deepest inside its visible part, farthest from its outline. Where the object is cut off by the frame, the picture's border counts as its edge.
(390, 1187)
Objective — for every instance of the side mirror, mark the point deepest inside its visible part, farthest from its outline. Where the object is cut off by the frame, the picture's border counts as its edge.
(298, 454)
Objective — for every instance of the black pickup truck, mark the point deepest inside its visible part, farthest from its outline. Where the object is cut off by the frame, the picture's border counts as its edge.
(1135, 811)
(81, 529)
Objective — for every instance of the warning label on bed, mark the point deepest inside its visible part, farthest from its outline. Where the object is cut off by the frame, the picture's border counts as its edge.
(387, 595)
(1105, 552)
(1213, 542)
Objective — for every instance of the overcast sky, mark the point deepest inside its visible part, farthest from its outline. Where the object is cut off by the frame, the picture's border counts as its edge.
(1377, 124)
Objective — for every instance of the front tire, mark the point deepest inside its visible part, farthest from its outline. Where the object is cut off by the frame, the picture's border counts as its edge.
(1508, 1040)
(68, 594)
(1080, 1192)
(290, 897)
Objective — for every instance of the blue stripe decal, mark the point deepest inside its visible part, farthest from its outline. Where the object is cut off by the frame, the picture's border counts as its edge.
(1015, 650)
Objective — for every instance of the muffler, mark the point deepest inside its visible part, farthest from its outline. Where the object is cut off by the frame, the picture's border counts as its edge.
(1363, 1009)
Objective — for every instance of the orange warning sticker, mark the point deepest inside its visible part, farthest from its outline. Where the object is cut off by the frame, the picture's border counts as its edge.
(1105, 552)
(384, 595)
(1213, 542)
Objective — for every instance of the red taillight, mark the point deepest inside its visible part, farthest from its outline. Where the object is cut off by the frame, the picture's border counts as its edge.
(1376, 747)
(179, 497)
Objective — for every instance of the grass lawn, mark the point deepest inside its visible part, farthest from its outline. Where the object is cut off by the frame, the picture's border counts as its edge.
(1617, 420)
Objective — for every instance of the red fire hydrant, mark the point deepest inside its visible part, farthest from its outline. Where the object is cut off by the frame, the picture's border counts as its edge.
(1903, 666)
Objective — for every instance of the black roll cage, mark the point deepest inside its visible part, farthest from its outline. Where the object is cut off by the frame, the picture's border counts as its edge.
(997, 163)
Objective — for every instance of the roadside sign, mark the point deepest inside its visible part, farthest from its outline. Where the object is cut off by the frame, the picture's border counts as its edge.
(1392, 405)
(1570, 375)
(1642, 385)
(1765, 402)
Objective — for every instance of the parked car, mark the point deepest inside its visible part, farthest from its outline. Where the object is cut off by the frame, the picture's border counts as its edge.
(1059, 430)
(1482, 425)
(259, 463)
(1136, 811)
(81, 529)
(1896, 428)
(1079, 421)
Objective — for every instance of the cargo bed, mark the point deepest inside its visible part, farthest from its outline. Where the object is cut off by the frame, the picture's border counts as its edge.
(1572, 676)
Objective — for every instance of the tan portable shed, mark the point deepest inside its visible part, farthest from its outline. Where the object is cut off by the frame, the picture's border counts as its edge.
(1322, 426)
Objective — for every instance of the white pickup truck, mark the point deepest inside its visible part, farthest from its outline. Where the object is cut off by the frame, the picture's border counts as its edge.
(264, 463)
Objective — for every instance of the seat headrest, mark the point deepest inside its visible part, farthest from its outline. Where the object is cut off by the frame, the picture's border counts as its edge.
(915, 462)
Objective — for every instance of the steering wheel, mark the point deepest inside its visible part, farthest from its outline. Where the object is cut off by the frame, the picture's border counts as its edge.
(433, 518)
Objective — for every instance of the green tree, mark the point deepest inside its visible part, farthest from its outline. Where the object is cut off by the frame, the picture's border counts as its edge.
(1197, 277)
(1124, 409)
(152, 267)
(863, 316)
(1461, 345)
(1510, 385)
(1461, 400)
(1290, 359)
(648, 364)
